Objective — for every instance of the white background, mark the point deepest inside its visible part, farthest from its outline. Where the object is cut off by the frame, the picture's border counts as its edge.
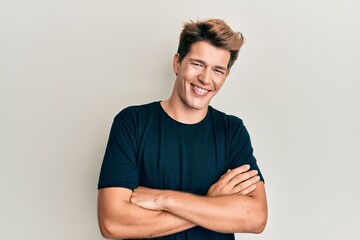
(68, 67)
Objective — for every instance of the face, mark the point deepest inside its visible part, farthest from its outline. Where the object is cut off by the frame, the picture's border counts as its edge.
(200, 75)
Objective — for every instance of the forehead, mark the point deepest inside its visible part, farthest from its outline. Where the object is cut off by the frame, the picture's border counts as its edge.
(209, 54)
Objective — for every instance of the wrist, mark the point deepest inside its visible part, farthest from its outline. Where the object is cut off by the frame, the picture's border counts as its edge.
(164, 200)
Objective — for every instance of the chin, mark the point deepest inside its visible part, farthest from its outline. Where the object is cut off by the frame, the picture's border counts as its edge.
(197, 103)
(199, 106)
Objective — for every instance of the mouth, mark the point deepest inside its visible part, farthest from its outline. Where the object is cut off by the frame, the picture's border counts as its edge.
(199, 90)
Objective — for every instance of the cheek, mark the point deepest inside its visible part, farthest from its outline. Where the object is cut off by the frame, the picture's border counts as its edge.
(218, 84)
(190, 73)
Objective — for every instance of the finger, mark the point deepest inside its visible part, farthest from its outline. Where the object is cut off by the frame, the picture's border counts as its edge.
(246, 184)
(222, 176)
(243, 177)
(236, 171)
(248, 190)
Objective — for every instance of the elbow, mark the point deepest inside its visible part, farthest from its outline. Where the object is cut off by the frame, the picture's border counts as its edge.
(110, 230)
(106, 229)
(253, 224)
(258, 224)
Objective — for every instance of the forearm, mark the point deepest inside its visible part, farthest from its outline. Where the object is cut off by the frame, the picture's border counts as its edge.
(229, 214)
(127, 220)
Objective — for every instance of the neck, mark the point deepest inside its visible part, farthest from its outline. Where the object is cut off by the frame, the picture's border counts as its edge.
(181, 113)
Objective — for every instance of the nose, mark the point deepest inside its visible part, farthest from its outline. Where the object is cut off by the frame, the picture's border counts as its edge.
(205, 76)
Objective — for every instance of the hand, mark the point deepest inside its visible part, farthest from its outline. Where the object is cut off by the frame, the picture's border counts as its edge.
(236, 181)
(147, 198)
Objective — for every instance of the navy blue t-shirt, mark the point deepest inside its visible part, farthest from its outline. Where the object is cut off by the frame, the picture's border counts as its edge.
(148, 148)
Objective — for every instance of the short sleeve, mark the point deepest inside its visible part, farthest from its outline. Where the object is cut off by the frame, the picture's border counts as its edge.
(119, 168)
(241, 150)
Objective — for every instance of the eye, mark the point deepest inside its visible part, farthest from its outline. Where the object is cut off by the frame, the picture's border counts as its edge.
(197, 64)
(219, 71)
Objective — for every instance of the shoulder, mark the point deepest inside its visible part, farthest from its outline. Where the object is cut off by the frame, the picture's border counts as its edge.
(136, 117)
(233, 126)
(136, 111)
(224, 118)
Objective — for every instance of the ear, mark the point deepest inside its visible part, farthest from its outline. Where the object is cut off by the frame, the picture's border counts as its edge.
(176, 63)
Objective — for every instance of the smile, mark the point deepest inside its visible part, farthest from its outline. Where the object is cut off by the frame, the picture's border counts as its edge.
(200, 91)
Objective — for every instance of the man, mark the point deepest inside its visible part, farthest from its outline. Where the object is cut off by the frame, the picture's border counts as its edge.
(178, 168)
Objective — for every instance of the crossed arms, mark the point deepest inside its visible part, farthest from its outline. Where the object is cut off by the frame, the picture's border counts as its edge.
(235, 203)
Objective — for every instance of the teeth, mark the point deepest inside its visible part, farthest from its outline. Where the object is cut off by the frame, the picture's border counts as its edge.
(200, 89)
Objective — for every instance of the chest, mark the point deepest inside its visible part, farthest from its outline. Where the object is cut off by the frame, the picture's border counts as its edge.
(188, 160)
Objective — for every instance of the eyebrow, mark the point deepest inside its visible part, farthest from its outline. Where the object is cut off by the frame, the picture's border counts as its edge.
(204, 63)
